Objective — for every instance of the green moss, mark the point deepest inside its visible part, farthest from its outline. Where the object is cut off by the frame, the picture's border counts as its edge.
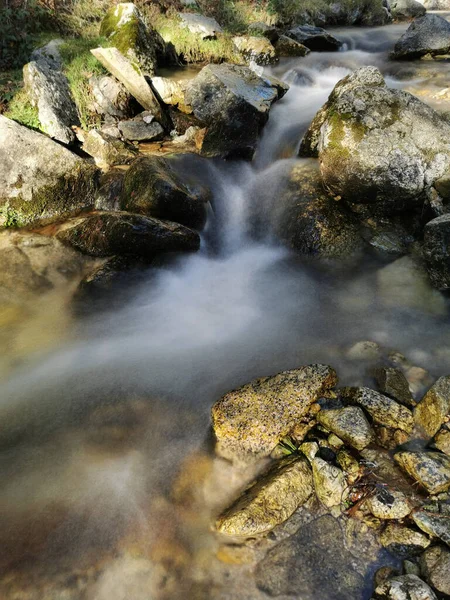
(126, 36)
(21, 110)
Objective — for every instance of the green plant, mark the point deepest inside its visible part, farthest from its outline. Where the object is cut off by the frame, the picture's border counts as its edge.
(288, 446)
(21, 110)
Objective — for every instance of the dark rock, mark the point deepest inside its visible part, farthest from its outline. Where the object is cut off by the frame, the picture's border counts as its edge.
(109, 190)
(314, 38)
(120, 233)
(435, 524)
(163, 187)
(427, 35)
(142, 128)
(287, 47)
(49, 53)
(392, 382)
(234, 103)
(436, 250)
(314, 563)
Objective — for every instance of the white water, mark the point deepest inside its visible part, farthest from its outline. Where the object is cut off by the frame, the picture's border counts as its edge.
(195, 328)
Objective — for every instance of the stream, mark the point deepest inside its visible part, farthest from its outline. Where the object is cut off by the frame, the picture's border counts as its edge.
(98, 425)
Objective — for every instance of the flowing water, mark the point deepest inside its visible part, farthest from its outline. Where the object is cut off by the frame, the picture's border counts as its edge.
(95, 428)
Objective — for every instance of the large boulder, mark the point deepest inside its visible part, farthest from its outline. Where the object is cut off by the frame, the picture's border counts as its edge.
(250, 421)
(120, 233)
(427, 35)
(255, 49)
(378, 147)
(124, 28)
(40, 180)
(234, 103)
(436, 250)
(48, 90)
(314, 38)
(407, 9)
(167, 188)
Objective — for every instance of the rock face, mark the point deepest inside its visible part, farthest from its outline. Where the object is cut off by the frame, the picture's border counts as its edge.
(407, 9)
(286, 46)
(270, 501)
(311, 222)
(249, 422)
(405, 587)
(403, 541)
(234, 103)
(349, 424)
(382, 409)
(162, 187)
(435, 566)
(434, 524)
(436, 250)
(430, 469)
(205, 27)
(119, 233)
(311, 564)
(48, 90)
(40, 180)
(314, 38)
(125, 29)
(255, 49)
(133, 79)
(434, 407)
(111, 98)
(427, 35)
(106, 149)
(377, 147)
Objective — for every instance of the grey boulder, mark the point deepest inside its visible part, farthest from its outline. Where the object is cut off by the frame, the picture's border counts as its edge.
(314, 38)
(429, 34)
(407, 9)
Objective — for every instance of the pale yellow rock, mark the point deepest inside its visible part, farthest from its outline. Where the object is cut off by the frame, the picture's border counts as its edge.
(329, 483)
(434, 407)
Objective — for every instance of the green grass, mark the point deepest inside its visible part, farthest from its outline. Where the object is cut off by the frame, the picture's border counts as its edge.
(20, 110)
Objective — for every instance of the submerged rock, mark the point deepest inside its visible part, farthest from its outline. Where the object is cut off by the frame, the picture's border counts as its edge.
(162, 187)
(314, 38)
(393, 383)
(270, 501)
(429, 34)
(435, 567)
(329, 483)
(120, 233)
(430, 469)
(436, 250)
(382, 409)
(255, 49)
(405, 587)
(407, 9)
(40, 180)
(434, 524)
(250, 421)
(378, 147)
(403, 541)
(125, 29)
(313, 563)
(48, 90)
(234, 103)
(434, 407)
(349, 423)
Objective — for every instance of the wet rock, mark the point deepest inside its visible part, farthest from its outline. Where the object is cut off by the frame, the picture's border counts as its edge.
(403, 541)
(132, 78)
(111, 98)
(349, 423)
(430, 469)
(364, 350)
(48, 90)
(312, 223)
(125, 29)
(309, 449)
(50, 53)
(435, 567)
(107, 150)
(435, 524)
(109, 190)
(429, 34)
(442, 440)
(378, 147)
(405, 284)
(314, 38)
(270, 501)
(162, 187)
(120, 233)
(434, 407)
(407, 9)
(143, 128)
(329, 483)
(405, 587)
(234, 103)
(205, 27)
(250, 421)
(287, 47)
(387, 503)
(255, 49)
(382, 409)
(40, 180)
(393, 383)
(312, 563)
(436, 251)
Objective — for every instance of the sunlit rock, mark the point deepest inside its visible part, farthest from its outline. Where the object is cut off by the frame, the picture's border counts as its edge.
(329, 483)
(205, 27)
(349, 423)
(388, 504)
(257, 49)
(442, 440)
(107, 150)
(435, 524)
(430, 469)
(434, 407)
